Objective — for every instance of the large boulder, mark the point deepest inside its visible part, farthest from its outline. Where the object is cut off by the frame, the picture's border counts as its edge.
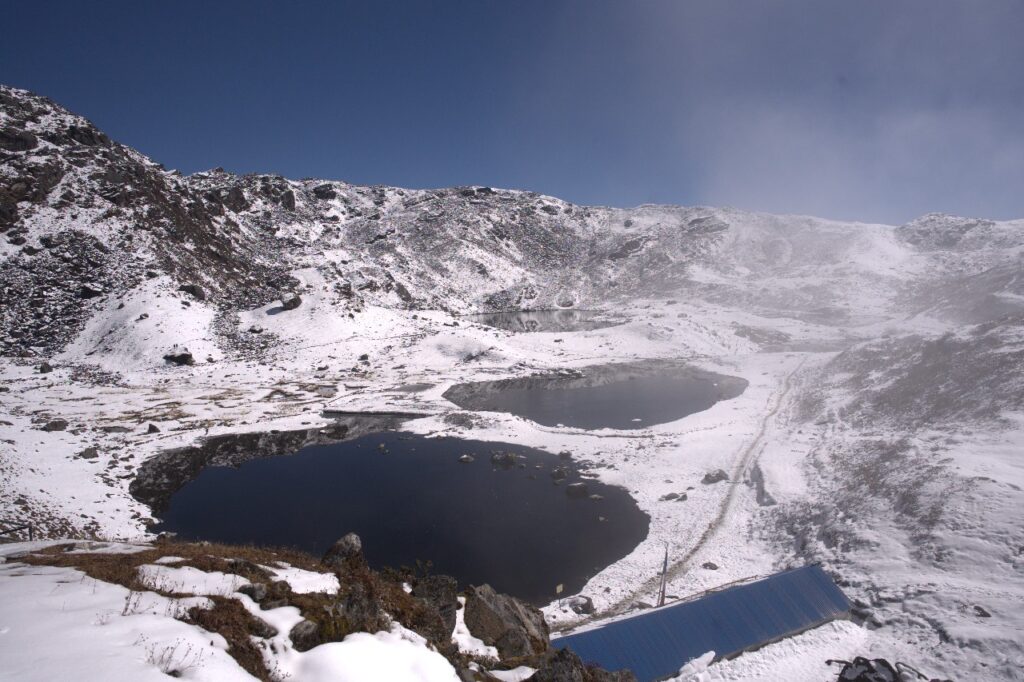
(179, 355)
(441, 592)
(513, 627)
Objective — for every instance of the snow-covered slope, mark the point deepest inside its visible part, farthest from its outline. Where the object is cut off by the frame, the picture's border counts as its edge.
(883, 415)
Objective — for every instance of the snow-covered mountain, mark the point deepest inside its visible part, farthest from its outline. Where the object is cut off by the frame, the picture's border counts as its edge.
(85, 219)
(884, 412)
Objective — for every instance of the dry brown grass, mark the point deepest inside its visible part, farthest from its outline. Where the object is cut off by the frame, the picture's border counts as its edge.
(365, 596)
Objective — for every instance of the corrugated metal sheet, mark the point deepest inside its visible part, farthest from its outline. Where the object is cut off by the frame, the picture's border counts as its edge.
(656, 643)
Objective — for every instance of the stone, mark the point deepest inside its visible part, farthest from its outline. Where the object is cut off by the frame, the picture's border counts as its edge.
(196, 291)
(669, 497)
(45, 367)
(581, 604)
(324, 192)
(466, 459)
(291, 301)
(560, 473)
(89, 453)
(90, 291)
(503, 459)
(256, 591)
(288, 200)
(235, 200)
(153, 428)
(179, 355)
(305, 635)
(56, 425)
(14, 140)
(565, 666)
(513, 627)
(709, 565)
(441, 592)
(576, 490)
(344, 552)
(714, 477)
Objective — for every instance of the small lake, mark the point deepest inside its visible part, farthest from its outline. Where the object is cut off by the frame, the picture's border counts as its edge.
(627, 396)
(565, 320)
(410, 498)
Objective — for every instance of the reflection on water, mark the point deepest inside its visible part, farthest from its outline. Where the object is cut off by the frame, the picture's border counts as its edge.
(501, 521)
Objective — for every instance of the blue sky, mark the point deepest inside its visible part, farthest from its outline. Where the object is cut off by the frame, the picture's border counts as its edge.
(866, 110)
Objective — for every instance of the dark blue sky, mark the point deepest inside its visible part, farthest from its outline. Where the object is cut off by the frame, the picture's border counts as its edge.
(861, 110)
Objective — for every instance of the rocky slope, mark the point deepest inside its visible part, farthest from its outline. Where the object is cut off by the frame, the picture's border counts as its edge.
(85, 219)
(883, 413)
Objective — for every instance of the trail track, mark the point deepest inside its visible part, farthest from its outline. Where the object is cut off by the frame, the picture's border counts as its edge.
(679, 567)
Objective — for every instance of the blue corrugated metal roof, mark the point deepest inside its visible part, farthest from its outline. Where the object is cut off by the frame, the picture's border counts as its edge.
(656, 643)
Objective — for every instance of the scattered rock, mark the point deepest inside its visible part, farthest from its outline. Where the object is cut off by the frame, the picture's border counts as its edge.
(291, 301)
(89, 453)
(709, 565)
(305, 635)
(560, 473)
(56, 425)
(45, 367)
(256, 591)
(565, 666)
(179, 355)
(503, 459)
(581, 604)
(576, 490)
(153, 428)
(324, 192)
(714, 477)
(441, 592)
(981, 612)
(513, 627)
(344, 552)
(196, 291)
(90, 291)
(288, 200)
(256, 329)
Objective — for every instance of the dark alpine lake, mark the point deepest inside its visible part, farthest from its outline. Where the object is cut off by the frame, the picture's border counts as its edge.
(504, 522)
(628, 396)
(547, 320)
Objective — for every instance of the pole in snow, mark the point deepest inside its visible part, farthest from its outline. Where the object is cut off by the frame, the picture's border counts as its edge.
(664, 578)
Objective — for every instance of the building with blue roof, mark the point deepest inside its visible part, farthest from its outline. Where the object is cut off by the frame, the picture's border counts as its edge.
(655, 644)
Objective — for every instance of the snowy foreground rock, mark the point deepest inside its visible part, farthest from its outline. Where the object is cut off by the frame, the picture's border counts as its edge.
(144, 313)
(91, 610)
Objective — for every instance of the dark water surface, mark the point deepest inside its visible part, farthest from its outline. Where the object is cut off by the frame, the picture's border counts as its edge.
(410, 500)
(547, 320)
(617, 397)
